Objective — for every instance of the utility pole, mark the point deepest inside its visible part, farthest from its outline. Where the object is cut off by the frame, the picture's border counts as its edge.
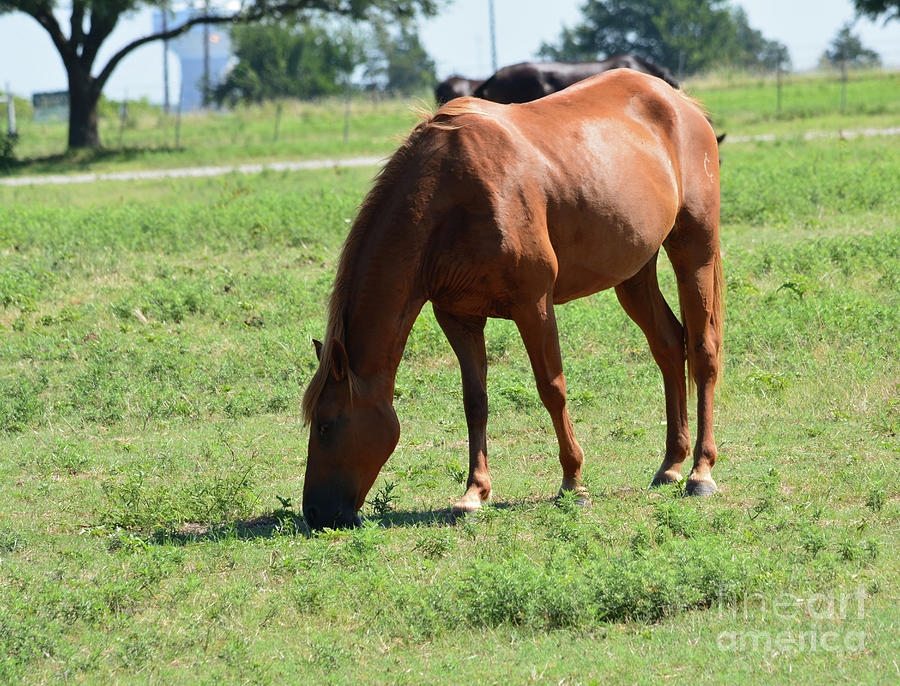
(493, 23)
(206, 55)
(165, 27)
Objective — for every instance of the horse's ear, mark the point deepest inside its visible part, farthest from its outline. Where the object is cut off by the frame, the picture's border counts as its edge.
(318, 345)
(340, 363)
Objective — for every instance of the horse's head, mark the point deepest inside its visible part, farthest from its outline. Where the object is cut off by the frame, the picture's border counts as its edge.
(353, 431)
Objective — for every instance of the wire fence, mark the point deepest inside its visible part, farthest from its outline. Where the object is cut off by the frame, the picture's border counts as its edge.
(330, 125)
(787, 95)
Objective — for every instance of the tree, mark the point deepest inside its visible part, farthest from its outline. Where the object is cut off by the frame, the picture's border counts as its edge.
(398, 62)
(847, 50)
(92, 21)
(280, 59)
(682, 35)
(872, 9)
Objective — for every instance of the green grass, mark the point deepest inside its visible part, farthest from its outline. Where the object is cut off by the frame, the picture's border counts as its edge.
(155, 340)
(740, 104)
(151, 139)
(750, 104)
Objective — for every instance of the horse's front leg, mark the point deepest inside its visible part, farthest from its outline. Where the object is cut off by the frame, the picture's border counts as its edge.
(466, 336)
(537, 326)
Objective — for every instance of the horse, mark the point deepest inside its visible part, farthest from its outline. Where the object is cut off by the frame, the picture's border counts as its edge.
(529, 81)
(491, 210)
(455, 86)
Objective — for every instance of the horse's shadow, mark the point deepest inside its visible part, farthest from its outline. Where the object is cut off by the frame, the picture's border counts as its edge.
(440, 517)
(289, 523)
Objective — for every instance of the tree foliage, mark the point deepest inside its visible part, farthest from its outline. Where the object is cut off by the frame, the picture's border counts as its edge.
(686, 36)
(90, 23)
(281, 59)
(846, 49)
(873, 9)
(398, 62)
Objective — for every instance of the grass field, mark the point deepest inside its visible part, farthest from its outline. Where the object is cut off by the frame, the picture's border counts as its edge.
(742, 104)
(155, 340)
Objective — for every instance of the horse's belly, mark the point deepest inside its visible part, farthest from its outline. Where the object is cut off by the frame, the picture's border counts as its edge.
(605, 228)
(582, 278)
(578, 283)
(598, 256)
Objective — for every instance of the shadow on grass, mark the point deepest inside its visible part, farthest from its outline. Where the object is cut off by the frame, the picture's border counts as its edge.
(79, 160)
(289, 523)
(266, 526)
(406, 518)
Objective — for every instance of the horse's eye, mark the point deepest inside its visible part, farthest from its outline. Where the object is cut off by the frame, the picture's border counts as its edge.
(323, 430)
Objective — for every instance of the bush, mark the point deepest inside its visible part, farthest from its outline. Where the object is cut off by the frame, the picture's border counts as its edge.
(7, 150)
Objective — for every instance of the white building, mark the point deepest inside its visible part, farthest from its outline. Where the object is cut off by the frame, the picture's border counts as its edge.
(189, 48)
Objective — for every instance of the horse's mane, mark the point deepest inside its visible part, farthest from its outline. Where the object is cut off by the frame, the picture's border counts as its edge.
(696, 103)
(383, 182)
(655, 70)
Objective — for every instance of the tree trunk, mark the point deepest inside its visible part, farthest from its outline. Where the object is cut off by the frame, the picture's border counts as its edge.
(83, 100)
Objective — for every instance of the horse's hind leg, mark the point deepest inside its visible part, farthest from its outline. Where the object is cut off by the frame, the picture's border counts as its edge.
(466, 337)
(693, 249)
(642, 300)
(537, 326)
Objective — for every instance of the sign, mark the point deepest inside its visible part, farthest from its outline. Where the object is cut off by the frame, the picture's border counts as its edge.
(51, 106)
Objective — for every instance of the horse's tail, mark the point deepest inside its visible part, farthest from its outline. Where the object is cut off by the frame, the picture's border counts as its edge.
(716, 320)
(718, 308)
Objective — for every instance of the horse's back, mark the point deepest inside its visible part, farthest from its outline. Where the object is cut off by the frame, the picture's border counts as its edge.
(586, 183)
(527, 81)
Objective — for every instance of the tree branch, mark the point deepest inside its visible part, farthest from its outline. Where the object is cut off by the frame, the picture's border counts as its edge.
(77, 23)
(43, 15)
(255, 12)
(102, 24)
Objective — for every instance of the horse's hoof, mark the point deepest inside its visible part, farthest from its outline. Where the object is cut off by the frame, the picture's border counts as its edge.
(470, 502)
(461, 510)
(700, 488)
(582, 498)
(664, 479)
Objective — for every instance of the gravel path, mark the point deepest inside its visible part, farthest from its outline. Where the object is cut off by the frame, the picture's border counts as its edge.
(191, 171)
(817, 135)
(347, 162)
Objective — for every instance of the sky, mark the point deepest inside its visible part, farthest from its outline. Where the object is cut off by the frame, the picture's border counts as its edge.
(458, 39)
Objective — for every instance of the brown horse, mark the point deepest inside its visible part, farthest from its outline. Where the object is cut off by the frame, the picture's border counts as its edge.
(529, 81)
(494, 210)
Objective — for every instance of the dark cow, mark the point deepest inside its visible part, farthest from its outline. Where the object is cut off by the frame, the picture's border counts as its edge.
(532, 80)
(455, 87)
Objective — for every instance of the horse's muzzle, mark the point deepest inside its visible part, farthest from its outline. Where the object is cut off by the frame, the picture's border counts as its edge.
(326, 518)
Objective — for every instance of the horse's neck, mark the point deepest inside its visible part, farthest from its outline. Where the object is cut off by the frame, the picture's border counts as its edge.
(383, 302)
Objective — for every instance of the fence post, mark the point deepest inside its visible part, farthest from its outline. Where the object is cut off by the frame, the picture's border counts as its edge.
(347, 115)
(123, 115)
(843, 86)
(278, 109)
(778, 74)
(178, 118)
(10, 113)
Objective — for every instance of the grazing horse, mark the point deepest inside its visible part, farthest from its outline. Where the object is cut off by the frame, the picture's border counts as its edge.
(455, 87)
(491, 210)
(532, 80)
